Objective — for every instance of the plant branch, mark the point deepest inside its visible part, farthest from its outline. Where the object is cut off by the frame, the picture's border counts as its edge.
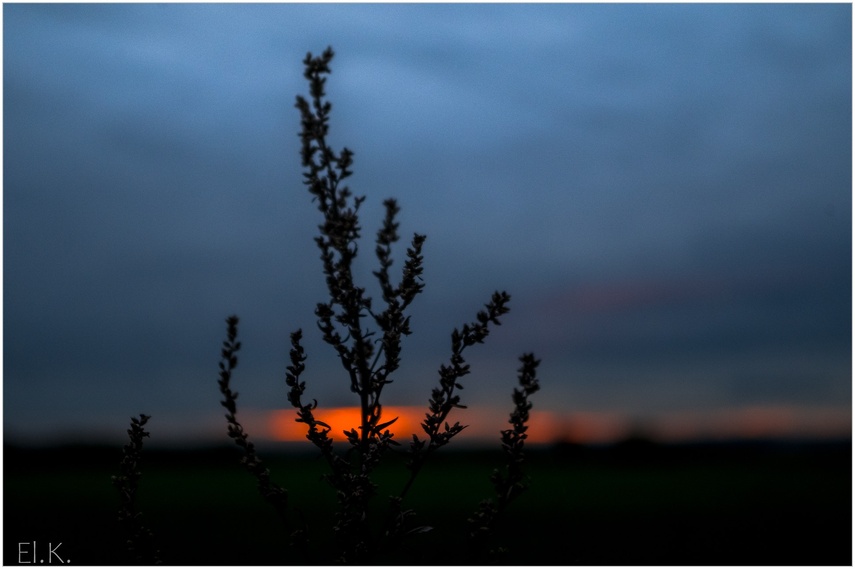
(510, 484)
(443, 398)
(140, 538)
(270, 491)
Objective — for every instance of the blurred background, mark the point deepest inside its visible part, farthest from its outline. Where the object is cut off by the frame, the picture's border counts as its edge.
(665, 192)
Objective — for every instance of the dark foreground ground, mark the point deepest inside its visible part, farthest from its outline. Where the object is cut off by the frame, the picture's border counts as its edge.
(633, 504)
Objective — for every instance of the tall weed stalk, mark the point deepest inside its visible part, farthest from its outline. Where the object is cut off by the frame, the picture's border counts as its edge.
(140, 539)
(367, 340)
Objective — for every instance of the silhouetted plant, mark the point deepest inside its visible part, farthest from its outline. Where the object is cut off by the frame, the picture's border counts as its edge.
(271, 492)
(369, 358)
(140, 540)
(511, 482)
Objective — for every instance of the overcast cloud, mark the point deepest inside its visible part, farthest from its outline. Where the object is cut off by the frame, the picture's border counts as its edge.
(665, 191)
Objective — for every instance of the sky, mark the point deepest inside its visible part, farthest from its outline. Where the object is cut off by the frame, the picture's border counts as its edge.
(664, 190)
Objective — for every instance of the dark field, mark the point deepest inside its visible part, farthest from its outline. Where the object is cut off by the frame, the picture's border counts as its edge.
(633, 504)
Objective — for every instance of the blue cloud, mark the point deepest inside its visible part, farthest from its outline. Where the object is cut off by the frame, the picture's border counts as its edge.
(152, 186)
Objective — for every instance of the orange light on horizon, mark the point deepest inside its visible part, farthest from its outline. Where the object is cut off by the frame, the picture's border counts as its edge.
(586, 427)
(284, 426)
(755, 421)
(481, 423)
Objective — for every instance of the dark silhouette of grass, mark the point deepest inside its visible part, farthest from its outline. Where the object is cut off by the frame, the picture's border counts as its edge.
(367, 340)
(369, 357)
(140, 539)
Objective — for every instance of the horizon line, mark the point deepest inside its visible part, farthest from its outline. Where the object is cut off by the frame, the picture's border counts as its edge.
(271, 427)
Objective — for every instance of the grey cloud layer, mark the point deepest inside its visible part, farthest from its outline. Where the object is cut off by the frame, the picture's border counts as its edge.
(151, 187)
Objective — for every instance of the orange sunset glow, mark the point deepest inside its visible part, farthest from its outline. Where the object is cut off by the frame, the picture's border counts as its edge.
(587, 427)
(482, 423)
